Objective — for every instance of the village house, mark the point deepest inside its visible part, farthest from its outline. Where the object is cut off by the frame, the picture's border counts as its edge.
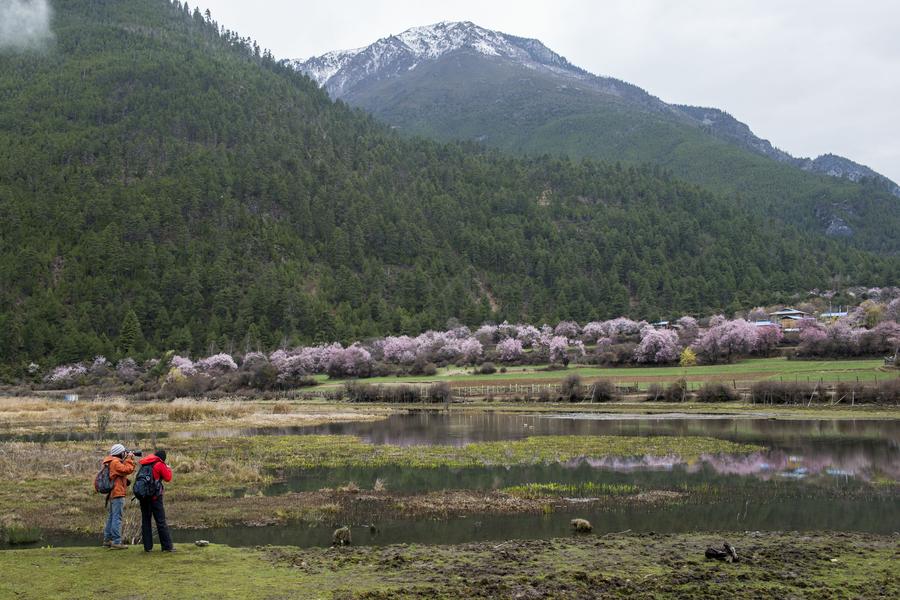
(789, 319)
(832, 316)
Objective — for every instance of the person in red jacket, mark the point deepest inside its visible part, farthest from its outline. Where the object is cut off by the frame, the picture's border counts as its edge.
(153, 508)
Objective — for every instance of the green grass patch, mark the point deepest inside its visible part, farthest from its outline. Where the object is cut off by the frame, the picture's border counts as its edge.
(332, 451)
(570, 490)
(16, 535)
(753, 369)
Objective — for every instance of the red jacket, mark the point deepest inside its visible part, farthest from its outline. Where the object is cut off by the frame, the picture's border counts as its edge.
(161, 471)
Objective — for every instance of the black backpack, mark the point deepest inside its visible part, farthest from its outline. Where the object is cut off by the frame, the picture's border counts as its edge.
(144, 484)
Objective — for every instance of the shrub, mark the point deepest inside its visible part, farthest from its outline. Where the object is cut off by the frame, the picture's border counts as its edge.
(265, 377)
(781, 392)
(886, 392)
(361, 392)
(604, 391)
(688, 358)
(655, 392)
(616, 354)
(676, 392)
(571, 388)
(423, 367)
(487, 368)
(178, 384)
(440, 392)
(717, 392)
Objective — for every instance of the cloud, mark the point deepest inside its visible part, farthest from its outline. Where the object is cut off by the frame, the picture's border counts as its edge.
(25, 24)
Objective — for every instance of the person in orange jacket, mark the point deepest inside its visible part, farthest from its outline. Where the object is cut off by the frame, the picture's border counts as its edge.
(121, 465)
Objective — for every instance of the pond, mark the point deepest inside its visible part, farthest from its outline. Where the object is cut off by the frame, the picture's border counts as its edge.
(801, 514)
(816, 474)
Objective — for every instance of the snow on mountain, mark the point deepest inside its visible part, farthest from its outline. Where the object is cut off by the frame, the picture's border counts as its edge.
(340, 70)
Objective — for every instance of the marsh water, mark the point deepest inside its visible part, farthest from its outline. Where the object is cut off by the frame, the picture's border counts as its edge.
(814, 475)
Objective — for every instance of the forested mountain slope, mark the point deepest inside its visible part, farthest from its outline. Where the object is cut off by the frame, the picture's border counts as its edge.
(458, 81)
(151, 164)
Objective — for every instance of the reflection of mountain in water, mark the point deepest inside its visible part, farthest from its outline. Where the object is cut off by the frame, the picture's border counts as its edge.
(766, 465)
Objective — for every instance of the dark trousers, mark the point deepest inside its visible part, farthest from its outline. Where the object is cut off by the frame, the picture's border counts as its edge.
(154, 508)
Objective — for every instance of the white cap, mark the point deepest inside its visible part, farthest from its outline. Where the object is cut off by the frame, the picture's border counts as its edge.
(116, 450)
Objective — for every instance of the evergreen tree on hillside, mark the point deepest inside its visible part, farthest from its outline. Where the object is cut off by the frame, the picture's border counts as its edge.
(151, 161)
(129, 334)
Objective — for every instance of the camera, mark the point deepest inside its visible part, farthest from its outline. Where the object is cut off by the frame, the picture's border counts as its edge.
(136, 452)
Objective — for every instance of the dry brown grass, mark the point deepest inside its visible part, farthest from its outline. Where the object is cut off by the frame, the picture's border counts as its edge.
(281, 408)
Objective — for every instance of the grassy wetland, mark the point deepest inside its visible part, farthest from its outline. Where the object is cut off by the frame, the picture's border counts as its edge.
(487, 487)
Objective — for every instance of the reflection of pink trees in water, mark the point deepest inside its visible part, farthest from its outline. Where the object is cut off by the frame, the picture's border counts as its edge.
(766, 465)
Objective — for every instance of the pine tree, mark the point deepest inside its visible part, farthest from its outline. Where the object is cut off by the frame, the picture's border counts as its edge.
(129, 333)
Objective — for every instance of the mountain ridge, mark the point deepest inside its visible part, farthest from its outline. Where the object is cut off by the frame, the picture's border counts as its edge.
(340, 72)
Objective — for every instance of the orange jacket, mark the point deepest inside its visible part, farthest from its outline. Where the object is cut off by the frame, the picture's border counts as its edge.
(119, 470)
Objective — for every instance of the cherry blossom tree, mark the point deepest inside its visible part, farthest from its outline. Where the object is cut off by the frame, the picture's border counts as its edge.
(471, 350)
(593, 331)
(558, 349)
(486, 334)
(883, 338)
(505, 330)
(726, 340)
(217, 364)
(767, 338)
(399, 350)
(757, 314)
(568, 329)
(892, 310)
(353, 361)
(65, 375)
(528, 335)
(127, 370)
(184, 365)
(716, 320)
(622, 327)
(253, 360)
(659, 346)
(510, 350)
(578, 351)
(688, 329)
(812, 337)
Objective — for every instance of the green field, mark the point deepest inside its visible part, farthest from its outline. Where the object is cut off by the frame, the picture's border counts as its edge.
(744, 371)
(774, 565)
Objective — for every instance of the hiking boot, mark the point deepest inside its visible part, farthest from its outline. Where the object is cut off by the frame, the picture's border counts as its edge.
(107, 543)
(118, 546)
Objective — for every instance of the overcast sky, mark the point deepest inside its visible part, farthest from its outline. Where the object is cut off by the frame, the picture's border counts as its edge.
(812, 76)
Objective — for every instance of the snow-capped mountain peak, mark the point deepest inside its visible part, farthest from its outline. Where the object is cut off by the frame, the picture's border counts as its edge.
(340, 70)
